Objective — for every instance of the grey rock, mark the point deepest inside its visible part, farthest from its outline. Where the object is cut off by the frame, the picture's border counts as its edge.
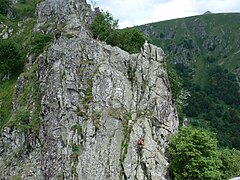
(96, 102)
(5, 35)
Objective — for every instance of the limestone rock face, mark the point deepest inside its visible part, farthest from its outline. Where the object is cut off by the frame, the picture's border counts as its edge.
(62, 9)
(96, 103)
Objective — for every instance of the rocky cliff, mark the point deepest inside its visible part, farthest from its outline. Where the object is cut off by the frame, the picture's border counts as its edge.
(87, 110)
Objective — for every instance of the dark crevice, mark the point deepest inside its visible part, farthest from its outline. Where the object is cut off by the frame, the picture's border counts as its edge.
(145, 170)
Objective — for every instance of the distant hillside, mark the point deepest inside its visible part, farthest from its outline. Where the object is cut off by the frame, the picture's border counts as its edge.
(206, 40)
(205, 51)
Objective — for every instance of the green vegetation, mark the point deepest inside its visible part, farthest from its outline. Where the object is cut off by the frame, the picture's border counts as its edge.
(204, 51)
(104, 28)
(179, 94)
(7, 88)
(230, 160)
(26, 118)
(76, 151)
(22, 41)
(60, 175)
(175, 82)
(223, 85)
(130, 40)
(10, 58)
(217, 104)
(4, 5)
(77, 128)
(39, 42)
(194, 155)
(25, 9)
(127, 129)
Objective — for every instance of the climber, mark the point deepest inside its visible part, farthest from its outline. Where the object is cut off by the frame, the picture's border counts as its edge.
(140, 144)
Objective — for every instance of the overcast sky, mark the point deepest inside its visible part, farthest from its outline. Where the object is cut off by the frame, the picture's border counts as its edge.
(137, 12)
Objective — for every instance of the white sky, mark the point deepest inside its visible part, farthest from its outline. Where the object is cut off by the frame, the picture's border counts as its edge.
(138, 12)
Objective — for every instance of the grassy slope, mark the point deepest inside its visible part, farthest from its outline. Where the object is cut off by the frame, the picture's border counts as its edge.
(6, 91)
(24, 13)
(200, 31)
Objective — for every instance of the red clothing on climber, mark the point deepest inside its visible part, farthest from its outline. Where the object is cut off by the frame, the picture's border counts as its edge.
(140, 142)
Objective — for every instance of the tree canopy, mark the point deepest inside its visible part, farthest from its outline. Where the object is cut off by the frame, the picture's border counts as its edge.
(193, 155)
(231, 166)
(128, 39)
(104, 27)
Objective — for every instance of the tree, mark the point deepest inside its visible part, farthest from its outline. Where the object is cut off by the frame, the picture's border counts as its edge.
(223, 85)
(10, 57)
(193, 155)
(128, 39)
(4, 5)
(103, 26)
(230, 160)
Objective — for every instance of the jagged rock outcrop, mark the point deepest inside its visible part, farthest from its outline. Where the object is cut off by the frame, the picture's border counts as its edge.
(96, 102)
